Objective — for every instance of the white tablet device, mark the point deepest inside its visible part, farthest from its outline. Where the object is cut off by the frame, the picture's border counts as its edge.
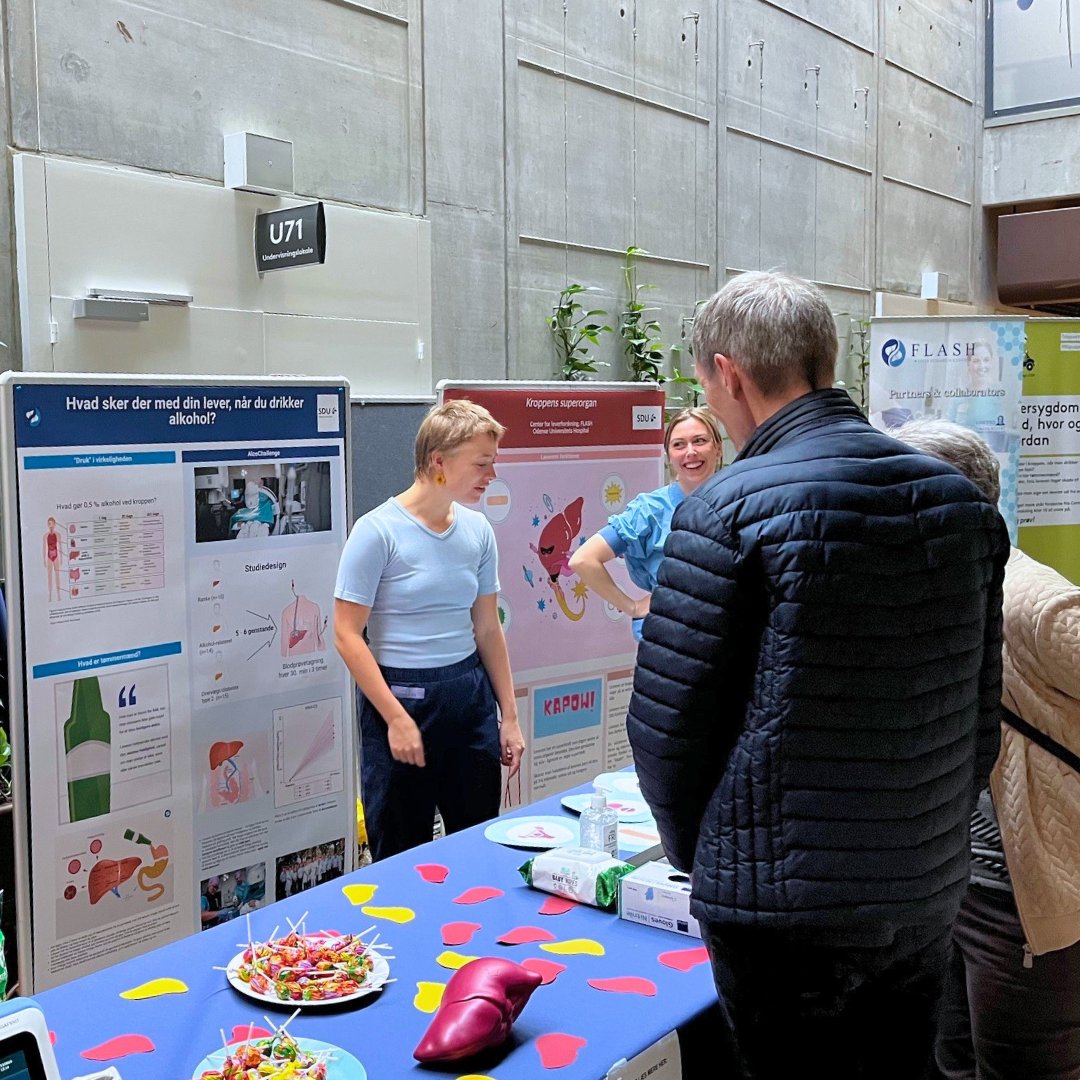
(25, 1050)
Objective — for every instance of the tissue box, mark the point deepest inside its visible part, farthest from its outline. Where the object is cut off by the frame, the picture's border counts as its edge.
(656, 894)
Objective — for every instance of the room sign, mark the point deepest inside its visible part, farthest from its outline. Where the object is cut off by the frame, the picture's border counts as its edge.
(288, 238)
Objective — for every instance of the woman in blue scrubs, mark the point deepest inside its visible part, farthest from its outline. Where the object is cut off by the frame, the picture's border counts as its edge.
(694, 451)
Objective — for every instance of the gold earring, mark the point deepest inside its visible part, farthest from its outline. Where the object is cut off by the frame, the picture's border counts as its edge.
(440, 479)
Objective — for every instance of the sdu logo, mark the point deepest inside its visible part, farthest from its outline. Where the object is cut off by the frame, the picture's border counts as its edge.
(893, 352)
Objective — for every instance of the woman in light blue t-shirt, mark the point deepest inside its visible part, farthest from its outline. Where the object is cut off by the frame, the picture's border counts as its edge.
(416, 621)
(694, 450)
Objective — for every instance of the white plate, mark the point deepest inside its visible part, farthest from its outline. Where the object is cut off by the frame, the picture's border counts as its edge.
(380, 973)
(342, 1065)
(624, 782)
(628, 808)
(638, 836)
(533, 832)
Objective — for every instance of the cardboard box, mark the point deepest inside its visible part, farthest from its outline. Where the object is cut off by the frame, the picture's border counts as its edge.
(656, 894)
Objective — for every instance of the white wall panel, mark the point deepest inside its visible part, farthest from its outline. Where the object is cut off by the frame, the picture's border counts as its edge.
(112, 228)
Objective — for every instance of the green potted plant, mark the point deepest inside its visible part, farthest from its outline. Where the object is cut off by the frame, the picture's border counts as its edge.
(640, 332)
(576, 331)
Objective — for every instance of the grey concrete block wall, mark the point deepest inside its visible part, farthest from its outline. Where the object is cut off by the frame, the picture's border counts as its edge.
(543, 137)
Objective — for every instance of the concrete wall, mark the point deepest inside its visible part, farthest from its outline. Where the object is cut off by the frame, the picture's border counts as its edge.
(542, 138)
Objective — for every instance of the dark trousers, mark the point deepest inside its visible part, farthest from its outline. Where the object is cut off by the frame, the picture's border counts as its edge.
(1000, 1020)
(797, 1007)
(454, 708)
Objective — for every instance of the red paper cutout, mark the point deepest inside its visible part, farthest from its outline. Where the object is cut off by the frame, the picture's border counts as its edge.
(459, 933)
(557, 905)
(523, 935)
(118, 1047)
(52, 1037)
(433, 872)
(558, 1050)
(478, 895)
(548, 970)
(625, 984)
(684, 959)
(240, 1033)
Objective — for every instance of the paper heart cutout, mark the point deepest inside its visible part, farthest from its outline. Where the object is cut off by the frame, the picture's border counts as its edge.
(548, 970)
(574, 947)
(118, 1047)
(558, 1050)
(428, 996)
(557, 905)
(479, 1006)
(523, 935)
(625, 984)
(359, 894)
(391, 914)
(477, 895)
(154, 988)
(684, 959)
(453, 960)
(243, 1032)
(435, 873)
(459, 933)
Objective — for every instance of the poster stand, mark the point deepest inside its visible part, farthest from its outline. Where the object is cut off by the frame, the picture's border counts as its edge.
(573, 454)
(181, 725)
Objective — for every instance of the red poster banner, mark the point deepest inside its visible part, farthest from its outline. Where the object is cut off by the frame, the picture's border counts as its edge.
(552, 416)
(573, 456)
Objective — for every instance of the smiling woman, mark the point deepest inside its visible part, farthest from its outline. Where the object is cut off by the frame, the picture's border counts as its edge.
(417, 623)
(694, 451)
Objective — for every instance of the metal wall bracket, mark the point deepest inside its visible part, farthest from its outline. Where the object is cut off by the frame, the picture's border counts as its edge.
(113, 310)
(123, 305)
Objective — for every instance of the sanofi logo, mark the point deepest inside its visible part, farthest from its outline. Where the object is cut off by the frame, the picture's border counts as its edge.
(893, 352)
(33, 417)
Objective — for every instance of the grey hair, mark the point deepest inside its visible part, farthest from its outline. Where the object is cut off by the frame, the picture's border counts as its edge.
(958, 446)
(776, 327)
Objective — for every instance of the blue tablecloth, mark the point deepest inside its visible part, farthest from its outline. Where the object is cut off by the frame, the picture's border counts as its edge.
(383, 1031)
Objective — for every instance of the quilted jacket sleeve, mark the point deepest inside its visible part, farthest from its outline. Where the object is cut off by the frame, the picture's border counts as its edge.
(988, 735)
(686, 702)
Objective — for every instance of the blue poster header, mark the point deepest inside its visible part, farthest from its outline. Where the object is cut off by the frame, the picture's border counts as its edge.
(107, 414)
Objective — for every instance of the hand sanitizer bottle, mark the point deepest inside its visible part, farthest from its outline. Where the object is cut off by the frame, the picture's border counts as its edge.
(600, 826)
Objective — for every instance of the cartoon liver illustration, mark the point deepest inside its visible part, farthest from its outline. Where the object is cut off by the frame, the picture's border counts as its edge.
(110, 874)
(557, 540)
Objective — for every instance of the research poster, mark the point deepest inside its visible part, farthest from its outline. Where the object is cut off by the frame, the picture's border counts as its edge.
(964, 370)
(573, 455)
(171, 553)
(1049, 501)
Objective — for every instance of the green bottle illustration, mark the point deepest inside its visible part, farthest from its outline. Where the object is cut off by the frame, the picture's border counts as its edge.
(87, 739)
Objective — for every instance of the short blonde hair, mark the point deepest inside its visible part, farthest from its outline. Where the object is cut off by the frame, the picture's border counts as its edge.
(449, 426)
(697, 412)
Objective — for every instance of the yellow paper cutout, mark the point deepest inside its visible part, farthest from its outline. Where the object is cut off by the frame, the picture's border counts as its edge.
(155, 988)
(574, 947)
(392, 914)
(428, 996)
(476, 1076)
(452, 960)
(358, 894)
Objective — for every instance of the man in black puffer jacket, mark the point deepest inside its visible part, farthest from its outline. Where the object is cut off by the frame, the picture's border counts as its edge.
(816, 700)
